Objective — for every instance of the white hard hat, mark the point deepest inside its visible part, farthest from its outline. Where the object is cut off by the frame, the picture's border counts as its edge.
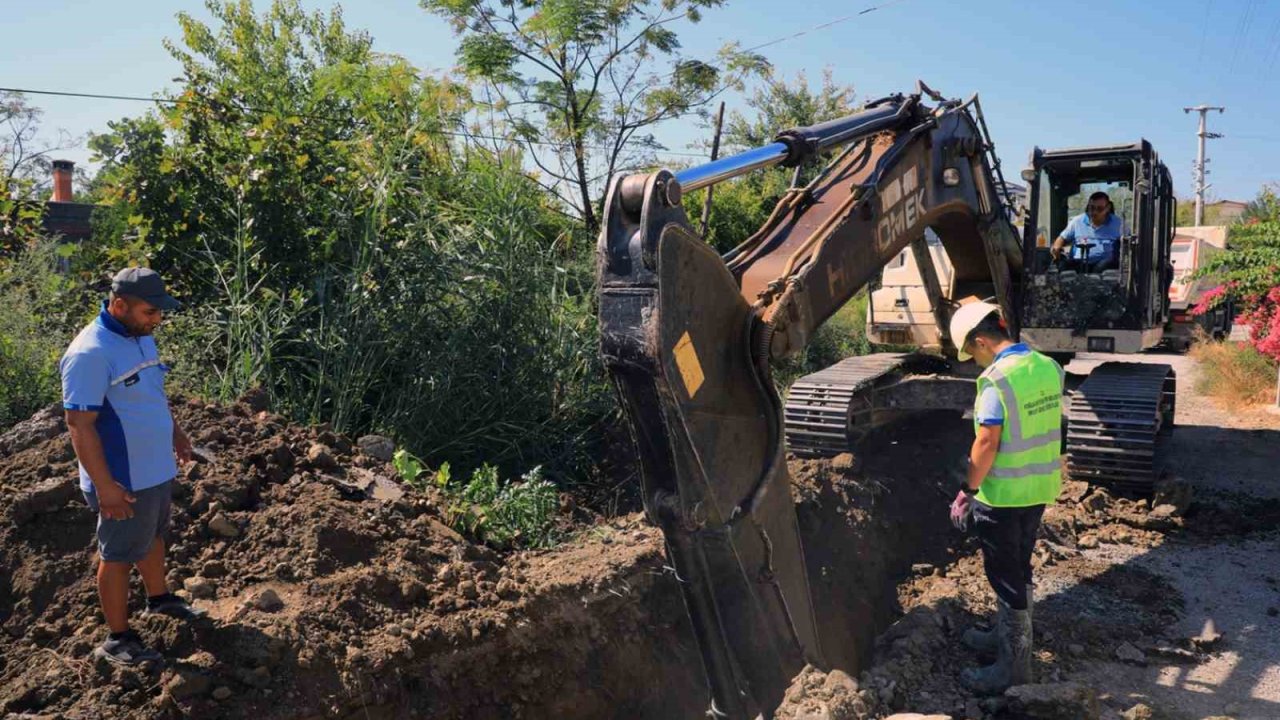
(964, 320)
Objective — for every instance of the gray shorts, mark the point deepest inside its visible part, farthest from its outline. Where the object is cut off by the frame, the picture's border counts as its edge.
(128, 541)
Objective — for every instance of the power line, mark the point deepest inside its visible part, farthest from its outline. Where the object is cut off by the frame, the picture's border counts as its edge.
(246, 108)
(823, 26)
(249, 108)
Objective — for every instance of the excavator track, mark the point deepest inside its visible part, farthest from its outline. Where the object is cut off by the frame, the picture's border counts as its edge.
(1116, 422)
(822, 407)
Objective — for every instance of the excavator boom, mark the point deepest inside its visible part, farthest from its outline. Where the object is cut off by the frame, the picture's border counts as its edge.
(687, 337)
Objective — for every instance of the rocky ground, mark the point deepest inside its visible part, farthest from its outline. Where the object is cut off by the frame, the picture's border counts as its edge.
(331, 592)
(335, 592)
(1162, 608)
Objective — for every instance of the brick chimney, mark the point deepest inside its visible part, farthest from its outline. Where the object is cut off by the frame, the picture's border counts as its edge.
(62, 172)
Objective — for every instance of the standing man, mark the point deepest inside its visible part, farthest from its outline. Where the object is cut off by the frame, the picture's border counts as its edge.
(1099, 228)
(127, 443)
(1015, 469)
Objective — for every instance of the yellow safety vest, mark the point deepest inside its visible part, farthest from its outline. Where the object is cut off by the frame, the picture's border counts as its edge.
(1028, 466)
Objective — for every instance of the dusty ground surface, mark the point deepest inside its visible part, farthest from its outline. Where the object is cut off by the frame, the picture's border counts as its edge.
(328, 595)
(332, 595)
(377, 609)
(1175, 608)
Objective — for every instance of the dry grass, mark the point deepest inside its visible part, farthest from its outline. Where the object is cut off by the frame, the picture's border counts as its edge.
(1235, 373)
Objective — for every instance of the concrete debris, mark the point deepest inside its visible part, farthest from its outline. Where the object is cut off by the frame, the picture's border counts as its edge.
(1139, 712)
(377, 447)
(220, 525)
(1054, 701)
(268, 600)
(200, 588)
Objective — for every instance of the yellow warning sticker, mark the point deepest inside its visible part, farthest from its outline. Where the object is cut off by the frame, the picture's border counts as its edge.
(687, 362)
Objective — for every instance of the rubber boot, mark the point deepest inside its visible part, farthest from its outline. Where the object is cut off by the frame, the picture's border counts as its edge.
(984, 642)
(1013, 655)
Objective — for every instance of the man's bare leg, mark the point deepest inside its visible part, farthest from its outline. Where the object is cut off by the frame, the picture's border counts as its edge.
(113, 593)
(151, 568)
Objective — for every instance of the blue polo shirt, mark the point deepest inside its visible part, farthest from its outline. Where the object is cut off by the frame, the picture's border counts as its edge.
(1105, 238)
(990, 411)
(119, 376)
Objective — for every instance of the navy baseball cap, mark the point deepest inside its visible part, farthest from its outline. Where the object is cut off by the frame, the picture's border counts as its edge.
(144, 284)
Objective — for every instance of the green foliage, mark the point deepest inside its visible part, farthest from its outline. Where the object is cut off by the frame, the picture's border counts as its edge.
(24, 170)
(778, 104)
(843, 335)
(501, 513)
(1251, 264)
(1265, 207)
(580, 84)
(740, 207)
(505, 514)
(35, 329)
(333, 244)
(1250, 273)
(408, 466)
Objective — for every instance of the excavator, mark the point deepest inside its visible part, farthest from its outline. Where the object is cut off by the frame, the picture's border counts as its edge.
(687, 336)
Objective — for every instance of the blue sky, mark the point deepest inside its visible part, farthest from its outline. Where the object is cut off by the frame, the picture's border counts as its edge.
(1055, 74)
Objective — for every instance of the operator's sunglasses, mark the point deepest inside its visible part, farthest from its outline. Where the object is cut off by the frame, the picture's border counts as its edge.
(1097, 208)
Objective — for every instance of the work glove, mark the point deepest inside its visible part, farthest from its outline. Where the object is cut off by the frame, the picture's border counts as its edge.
(962, 511)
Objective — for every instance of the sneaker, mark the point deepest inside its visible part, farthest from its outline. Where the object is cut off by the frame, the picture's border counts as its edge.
(173, 606)
(128, 649)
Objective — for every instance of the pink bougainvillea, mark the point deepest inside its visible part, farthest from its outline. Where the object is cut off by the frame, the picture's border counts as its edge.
(1264, 322)
(1263, 319)
(1208, 300)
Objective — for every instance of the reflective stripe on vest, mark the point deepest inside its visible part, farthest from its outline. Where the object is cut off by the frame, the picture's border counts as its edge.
(1028, 467)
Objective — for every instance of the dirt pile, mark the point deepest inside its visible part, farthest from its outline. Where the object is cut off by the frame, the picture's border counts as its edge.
(332, 593)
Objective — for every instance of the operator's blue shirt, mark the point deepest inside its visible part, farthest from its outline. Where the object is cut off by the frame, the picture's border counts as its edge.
(119, 376)
(990, 411)
(1105, 238)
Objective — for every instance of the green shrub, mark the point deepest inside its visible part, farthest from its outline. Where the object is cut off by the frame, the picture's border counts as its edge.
(842, 335)
(43, 310)
(503, 514)
(506, 514)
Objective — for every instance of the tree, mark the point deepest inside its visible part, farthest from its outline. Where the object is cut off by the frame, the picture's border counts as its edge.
(1265, 207)
(582, 84)
(739, 207)
(335, 242)
(777, 105)
(1250, 273)
(280, 127)
(26, 171)
(26, 154)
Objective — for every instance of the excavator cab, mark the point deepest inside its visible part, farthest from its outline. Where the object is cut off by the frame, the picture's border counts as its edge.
(1078, 303)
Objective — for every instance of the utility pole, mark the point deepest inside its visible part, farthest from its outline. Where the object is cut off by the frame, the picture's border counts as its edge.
(1200, 170)
(715, 154)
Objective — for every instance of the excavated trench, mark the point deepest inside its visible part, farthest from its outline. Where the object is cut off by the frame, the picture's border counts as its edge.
(623, 648)
(377, 610)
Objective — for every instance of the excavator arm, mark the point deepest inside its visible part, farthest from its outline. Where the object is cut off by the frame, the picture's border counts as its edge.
(687, 337)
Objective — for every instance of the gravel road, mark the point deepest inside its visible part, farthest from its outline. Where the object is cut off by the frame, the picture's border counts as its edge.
(1230, 585)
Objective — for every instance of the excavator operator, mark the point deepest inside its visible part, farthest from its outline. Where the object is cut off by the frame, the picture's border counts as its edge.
(1014, 471)
(1095, 234)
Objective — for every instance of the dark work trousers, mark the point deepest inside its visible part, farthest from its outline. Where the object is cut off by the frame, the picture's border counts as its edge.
(1008, 537)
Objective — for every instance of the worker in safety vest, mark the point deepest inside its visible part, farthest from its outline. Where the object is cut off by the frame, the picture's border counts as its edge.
(1015, 469)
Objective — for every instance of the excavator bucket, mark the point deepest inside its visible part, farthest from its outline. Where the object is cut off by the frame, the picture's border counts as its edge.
(677, 339)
